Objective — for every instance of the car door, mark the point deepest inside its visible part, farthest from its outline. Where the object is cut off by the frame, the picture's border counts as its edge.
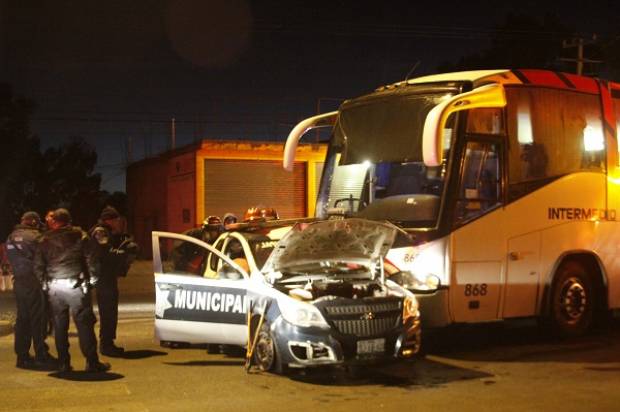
(190, 307)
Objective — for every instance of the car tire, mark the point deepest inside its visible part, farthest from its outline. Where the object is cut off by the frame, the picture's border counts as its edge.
(573, 301)
(266, 355)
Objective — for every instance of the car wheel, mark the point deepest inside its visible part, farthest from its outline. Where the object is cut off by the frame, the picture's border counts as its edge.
(265, 352)
(572, 300)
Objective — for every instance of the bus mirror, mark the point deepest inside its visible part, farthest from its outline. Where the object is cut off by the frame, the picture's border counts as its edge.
(315, 122)
(488, 96)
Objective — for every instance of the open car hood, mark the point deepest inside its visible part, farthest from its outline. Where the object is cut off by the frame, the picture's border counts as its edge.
(358, 241)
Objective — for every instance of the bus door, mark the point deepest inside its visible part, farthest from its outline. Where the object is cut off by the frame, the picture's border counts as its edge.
(478, 246)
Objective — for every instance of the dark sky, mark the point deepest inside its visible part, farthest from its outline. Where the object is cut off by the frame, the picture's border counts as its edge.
(117, 72)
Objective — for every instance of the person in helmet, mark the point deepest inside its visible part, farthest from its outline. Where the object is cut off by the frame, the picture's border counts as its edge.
(188, 257)
(229, 219)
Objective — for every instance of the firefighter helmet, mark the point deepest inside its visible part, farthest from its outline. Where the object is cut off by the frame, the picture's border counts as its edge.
(212, 222)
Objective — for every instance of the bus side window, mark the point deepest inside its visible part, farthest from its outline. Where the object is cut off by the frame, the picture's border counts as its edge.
(479, 188)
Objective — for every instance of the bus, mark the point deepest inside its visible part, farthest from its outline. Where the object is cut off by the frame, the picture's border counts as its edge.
(507, 182)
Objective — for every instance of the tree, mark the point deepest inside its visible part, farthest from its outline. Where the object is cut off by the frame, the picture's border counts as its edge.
(20, 157)
(67, 179)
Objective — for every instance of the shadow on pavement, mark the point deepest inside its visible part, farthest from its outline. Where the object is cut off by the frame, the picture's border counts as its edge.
(413, 375)
(520, 341)
(208, 363)
(141, 354)
(82, 376)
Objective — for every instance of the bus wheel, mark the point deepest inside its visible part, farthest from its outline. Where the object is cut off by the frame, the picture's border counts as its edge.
(265, 353)
(572, 300)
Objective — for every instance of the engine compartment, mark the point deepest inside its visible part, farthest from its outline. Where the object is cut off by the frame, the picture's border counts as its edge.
(314, 289)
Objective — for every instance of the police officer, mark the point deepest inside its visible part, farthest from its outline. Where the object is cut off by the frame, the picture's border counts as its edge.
(63, 262)
(31, 322)
(115, 251)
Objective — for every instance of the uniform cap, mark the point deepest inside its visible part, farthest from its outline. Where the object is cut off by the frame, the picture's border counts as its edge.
(62, 216)
(109, 213)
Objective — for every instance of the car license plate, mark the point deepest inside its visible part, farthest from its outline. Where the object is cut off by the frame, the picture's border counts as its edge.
(365, 347)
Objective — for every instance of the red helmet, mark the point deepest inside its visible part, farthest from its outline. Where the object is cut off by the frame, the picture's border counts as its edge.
(212, 222)
(260, 213)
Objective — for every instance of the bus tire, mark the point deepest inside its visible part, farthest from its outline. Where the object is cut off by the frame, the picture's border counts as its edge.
(573, 300)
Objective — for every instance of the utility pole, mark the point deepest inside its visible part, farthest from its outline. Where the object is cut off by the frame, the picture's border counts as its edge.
(578, 43)
(173, 136)
(129, 150)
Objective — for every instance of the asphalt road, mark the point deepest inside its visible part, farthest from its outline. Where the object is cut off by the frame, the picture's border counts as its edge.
(508, 367)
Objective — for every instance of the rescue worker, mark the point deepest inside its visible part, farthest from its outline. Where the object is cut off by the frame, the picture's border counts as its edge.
(229, 219)
(64, 265)
(31, 322)
(188, 257)
(210, 230)
(115, 251)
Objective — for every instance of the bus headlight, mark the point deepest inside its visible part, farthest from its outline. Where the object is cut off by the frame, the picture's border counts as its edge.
(301, 314)
(426, 283)
(417, 282)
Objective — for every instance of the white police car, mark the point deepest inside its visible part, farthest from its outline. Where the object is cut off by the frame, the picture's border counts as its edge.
(322, 291)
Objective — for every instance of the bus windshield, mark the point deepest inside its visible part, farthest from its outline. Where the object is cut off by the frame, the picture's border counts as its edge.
(374, 167)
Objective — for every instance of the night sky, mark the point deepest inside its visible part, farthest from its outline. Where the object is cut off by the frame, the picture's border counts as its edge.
(117, 72)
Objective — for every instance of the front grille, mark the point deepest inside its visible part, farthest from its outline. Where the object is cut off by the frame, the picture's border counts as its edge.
(380, 307)
(365, 319)
(365, 328)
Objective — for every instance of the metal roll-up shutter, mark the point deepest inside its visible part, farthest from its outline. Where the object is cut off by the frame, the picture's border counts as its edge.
(235, 185)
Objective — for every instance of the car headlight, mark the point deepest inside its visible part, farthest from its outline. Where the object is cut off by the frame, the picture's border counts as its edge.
(301, 314)
(410, 308)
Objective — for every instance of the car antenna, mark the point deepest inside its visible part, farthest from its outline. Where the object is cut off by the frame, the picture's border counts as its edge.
(415, 66)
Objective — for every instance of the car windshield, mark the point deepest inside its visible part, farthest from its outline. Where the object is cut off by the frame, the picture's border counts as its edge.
(374, 167)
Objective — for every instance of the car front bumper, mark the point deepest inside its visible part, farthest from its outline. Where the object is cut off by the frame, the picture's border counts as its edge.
(300, 347)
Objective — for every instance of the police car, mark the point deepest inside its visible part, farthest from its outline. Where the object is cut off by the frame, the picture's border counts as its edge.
(321, 297)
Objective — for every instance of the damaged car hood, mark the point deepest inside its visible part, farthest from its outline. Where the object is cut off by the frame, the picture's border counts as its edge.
(321, 244)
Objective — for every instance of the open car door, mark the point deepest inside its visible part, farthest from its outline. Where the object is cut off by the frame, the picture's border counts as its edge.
(193, 308)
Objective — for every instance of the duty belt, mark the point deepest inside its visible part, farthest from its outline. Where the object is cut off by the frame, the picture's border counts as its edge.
(64, 282)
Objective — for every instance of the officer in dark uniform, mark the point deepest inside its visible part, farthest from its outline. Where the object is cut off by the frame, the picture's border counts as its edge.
(115, 251)
(31, 322)
(63, 262)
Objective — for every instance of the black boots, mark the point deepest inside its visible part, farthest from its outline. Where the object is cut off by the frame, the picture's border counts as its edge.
(96, 366)
(111, 350)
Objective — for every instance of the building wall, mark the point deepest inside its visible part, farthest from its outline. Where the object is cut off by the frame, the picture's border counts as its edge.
(167, 192)
(181, 197)
(310, 154)
(147, 201)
